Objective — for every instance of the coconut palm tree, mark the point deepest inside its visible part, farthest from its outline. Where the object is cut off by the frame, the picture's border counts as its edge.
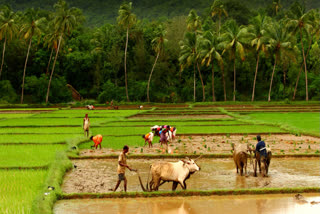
(126, 19)
(314, 18)
(207, 48)
(64, 21)
(233, 40)
(194, 25)
(280, 44)
(258, 41)
(188, 54)
(217, 9)
(157, 44)
(276, 5)
(300, 21)
(8, 28)
(32, 26)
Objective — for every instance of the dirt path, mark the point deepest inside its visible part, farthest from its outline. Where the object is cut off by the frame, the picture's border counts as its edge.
(279, 144)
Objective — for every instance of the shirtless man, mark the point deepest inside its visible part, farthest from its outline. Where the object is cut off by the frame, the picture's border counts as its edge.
(122, 165)
(86, 125)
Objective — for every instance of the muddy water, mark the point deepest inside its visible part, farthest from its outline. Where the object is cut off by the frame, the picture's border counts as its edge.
(100, 175)
(257, 204)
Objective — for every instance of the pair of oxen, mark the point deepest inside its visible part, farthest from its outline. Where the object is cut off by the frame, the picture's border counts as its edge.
(241, 155)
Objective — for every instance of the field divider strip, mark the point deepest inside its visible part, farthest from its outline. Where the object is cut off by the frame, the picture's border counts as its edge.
(169, 156)
(45, 167)
(10, 144)
(65, 196)
(240, 124)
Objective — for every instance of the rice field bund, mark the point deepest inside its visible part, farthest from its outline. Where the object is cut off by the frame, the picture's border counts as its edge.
(47, 165)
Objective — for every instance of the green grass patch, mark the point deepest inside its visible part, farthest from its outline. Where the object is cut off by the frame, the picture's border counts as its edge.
(19, 188)
(37, 138)
(42, 130)
(173, 123)
(305, 122)
(118, 142)
(49, 122)
(14, 115)
(28, 155)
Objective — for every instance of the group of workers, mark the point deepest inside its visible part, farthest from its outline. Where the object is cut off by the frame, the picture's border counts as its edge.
(165, 132)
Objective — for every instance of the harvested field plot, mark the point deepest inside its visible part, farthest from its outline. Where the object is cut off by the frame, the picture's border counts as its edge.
(97, 176)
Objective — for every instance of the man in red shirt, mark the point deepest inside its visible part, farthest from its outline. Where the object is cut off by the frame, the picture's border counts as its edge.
(97, 140)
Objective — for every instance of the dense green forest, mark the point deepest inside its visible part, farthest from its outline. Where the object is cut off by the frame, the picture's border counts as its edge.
(176, 51)
(99, 12)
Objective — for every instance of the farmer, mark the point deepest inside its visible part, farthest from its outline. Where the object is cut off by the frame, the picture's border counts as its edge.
(97, 140)
(173, 131)
(148, 138)
(86, 125)
(122, 165)
(261, 148)
(163, 135)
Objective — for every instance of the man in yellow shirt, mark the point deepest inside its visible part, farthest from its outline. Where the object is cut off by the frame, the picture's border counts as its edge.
(122, 165)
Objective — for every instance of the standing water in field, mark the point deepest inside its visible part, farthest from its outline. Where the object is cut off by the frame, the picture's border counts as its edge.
(100, 175)
(253, 204)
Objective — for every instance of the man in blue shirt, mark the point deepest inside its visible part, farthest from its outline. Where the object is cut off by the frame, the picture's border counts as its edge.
(261, 147)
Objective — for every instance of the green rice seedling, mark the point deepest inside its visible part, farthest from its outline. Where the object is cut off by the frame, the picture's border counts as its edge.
(141, 150)
(179, 140)
(228, 135)
(190, 138)
(37, 138)
(19, 188)
(309, 147)
(28, 155)
(209, 149)
(195, 152)
(205, 146)
(317, 152)
(218, 145)
(213, 140)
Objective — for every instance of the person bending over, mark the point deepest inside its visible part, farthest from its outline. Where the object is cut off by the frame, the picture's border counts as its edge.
(97, 141)
(148, 138)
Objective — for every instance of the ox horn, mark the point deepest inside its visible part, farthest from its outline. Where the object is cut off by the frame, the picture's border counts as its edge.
(198, 157)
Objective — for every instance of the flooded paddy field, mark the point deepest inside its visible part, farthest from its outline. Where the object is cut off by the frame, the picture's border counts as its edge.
(253, 204)
(99, 175)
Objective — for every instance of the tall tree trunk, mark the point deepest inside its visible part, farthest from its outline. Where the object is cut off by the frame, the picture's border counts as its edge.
(274, 67)
(203, 90)
(219, 24)
(4, 50)
(255, 78)
(24, 70)
(284, 81)
(49, 61)
(213, 95)
(194, 82)
(125, 65)
(298, 77)
(53, 66)
(234, 78)
(151, 76)
(224, 85)
(305, 66)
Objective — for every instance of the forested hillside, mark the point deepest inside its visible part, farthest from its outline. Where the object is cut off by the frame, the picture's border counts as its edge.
(221, 50)
(98, 12)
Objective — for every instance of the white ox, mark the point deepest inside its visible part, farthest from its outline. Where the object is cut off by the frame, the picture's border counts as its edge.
(177, 172)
